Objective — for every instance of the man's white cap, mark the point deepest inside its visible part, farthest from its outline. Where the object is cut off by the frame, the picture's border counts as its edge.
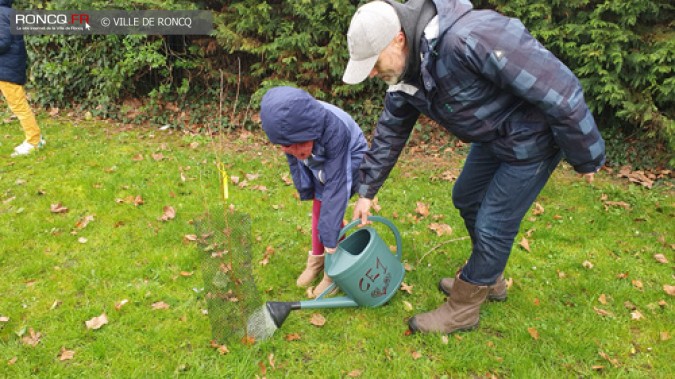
(373, 27)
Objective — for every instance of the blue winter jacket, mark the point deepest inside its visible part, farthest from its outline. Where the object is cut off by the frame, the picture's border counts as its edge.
(290, 115)
(485, 79)
(12, 48)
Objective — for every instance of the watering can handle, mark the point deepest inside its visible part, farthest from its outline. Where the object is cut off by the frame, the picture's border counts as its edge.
(383, 220)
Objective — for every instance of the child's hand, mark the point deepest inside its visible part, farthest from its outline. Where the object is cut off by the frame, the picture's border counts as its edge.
(329, 250)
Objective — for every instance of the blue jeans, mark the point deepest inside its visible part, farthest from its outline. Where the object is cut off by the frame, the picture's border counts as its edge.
(493, 197)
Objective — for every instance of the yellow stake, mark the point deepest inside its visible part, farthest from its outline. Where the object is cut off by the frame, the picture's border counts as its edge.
(223, 176)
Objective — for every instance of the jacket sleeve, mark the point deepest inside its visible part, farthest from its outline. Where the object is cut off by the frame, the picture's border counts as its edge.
(302, 178)
(337, 189)
(505, 53)
(5, 34)
(391, 134)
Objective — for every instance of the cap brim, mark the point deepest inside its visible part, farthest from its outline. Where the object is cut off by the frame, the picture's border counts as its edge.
(358, 71)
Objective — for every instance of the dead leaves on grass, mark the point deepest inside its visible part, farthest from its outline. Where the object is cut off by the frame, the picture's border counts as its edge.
(97, 322)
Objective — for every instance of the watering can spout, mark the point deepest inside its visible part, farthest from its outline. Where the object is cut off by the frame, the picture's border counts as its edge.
(330, 302)
(279, 310)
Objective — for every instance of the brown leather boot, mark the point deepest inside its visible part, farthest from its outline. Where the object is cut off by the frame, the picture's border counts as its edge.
(460, 312)
(312, 270)
(325, 282)
(497, 290)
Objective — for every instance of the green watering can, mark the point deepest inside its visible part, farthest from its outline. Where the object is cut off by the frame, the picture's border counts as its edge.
(362, 266)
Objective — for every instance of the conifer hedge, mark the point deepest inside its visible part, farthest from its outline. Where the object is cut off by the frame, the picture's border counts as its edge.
(622, 50)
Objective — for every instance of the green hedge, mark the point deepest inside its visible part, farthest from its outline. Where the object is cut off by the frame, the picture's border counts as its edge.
(622, 50)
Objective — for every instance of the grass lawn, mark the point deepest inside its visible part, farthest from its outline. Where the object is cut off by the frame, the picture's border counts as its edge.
(587, 299)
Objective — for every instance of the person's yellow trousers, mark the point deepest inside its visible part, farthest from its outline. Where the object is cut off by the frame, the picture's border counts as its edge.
(18, 104)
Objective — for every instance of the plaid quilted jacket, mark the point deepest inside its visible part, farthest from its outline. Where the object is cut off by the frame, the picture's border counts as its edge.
(485, 79)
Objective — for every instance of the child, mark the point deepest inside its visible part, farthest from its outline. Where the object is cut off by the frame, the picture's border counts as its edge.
(324, 147)
(12, 78)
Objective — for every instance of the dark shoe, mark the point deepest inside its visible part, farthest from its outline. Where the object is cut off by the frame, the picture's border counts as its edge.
(460, 312)
(497, 290)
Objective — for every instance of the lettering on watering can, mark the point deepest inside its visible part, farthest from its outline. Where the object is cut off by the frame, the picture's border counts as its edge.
(372, 275)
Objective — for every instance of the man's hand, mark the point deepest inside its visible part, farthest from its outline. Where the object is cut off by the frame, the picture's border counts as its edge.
(362, 210)
(588, 177)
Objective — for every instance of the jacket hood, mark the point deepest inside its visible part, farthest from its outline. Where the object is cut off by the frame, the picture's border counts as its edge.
(6, 3)
(451, 11)
(290, 115)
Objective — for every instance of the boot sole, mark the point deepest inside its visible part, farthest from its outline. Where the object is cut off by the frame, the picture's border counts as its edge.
(413, 327)
(490, 297)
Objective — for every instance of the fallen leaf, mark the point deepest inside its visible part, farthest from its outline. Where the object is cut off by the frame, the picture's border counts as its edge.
(12, 361)
(58, 208)
(286, 179)
(603, 312)
(602, 299)
(222, 349)
(160, 305)
(620, 204)
(661, 258)
(670, 290)
(587, 264)
(525, 244)
(190, 237)
(293, 337)
(355, 373)
(138, 200)
(622, 275)
(636, 315)
(441, 229)
(407, 288)
(538, 209)
(158, 156)
(509, 283)
(137, 157)
(614, 362)
(407, 306)
(598, 367)
(120, 304)
(32, 339)
(252, 177)
(269, 251)
(416, 355)
(533, 333)
(664, 336)
(637, 284)
(263, 368)
(317, 319)
(422, 209)
(66, 355)
(84, 221)
(186, 274)
(169, 213)
(4, 319)
(97, 322)
(248, 341)
(82, 240)
(270, 360)
(561, 274)
(630, 306)
(444, 339)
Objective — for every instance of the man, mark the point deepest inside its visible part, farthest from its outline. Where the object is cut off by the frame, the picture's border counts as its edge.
(485, 79)
(12, 78)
